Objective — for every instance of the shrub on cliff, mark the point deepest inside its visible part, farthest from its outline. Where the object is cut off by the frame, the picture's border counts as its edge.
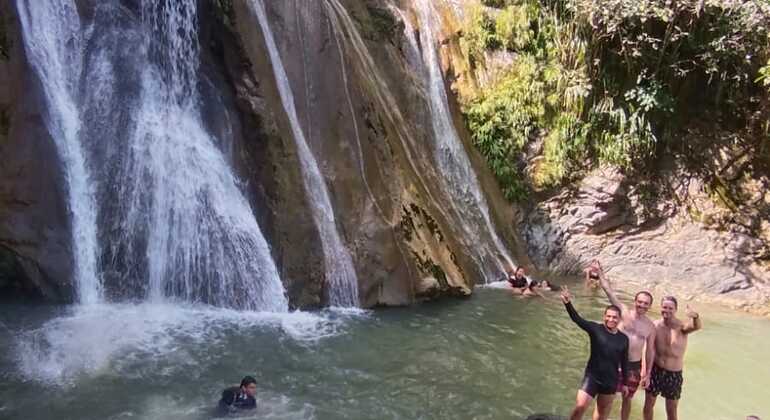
(611, 80)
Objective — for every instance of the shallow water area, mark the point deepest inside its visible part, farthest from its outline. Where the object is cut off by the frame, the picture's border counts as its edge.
(491, 356)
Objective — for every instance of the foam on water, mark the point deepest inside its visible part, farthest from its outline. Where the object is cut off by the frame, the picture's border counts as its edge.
(502, 284)
(104, 339)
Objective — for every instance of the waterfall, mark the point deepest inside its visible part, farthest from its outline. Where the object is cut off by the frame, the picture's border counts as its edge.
(465, 204)
(52, 35)
(203, 242)
(461, 182)
(339, 270)
(178, 226)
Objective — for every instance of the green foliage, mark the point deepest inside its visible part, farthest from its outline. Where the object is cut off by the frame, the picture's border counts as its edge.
(764, 75)
(512, 27)
(610, 80)
(503, 120)
(478, 35)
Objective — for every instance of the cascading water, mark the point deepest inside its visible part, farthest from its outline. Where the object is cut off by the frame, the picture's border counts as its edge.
(340, 273)
(178, 227)
(461, 181)
(203, 242)
(466, 205)
(53, 43)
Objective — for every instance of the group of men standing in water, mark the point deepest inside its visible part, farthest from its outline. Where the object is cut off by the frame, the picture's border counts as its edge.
(628, 350)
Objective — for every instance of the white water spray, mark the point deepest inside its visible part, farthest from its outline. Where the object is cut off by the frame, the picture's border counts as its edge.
(52, 35)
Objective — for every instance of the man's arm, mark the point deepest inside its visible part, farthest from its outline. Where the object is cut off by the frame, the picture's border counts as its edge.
(566, 298)
(624, 370)
(649, 356)
(694, 324)
(576, 318)
(611, 293)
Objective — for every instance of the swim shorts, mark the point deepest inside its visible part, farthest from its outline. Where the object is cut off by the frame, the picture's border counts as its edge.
(592, 387)
(666, 383)
(634, 377)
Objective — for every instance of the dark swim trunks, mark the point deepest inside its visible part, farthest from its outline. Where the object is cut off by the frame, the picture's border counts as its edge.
(593, 387)
(666, 383)
(634, 378)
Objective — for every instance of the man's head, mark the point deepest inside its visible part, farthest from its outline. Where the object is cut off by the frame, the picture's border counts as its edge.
(249, 386)
(611, 317)
(668, 306)
(520, 272)
(642, 302)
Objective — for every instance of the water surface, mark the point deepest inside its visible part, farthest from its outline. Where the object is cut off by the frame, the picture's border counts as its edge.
(492, 356)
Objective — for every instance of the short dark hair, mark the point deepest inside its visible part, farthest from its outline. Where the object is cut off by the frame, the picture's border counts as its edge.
(644, 292)
(670, 299)
(612, 308)
(248, 380)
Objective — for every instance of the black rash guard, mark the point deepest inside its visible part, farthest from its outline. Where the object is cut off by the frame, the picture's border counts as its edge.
(608, 351)
(234, 400)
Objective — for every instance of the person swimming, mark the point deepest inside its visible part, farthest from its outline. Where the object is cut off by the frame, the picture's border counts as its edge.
(236, 398)
(520, 283)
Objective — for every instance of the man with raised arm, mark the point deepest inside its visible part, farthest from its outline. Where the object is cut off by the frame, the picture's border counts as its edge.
(641, 339)
(670, 344)
(609, 352)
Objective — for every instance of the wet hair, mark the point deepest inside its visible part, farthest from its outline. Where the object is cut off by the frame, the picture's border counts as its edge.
(612, 308)
(752, 418)
(644, 292)
(670, 298)
(248, 380)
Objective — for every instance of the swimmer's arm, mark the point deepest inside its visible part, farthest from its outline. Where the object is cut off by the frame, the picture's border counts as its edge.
(611, 293)
(582, 323)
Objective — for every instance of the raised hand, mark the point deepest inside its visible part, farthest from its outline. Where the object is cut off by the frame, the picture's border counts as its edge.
(690, 312)
(566, 297)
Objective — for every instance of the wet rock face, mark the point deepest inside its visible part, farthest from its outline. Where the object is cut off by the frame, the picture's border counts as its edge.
(396, 234)
(35, 251)
(373, 153)
(666, 253)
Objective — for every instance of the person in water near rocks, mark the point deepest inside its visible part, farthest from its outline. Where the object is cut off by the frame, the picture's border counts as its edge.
(592, 274)
(239, 398)
(609, 352)
(670, 344)
(520, 283)
(640, 331)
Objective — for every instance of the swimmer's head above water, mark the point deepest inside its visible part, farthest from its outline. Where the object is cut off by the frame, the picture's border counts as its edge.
(249, 386)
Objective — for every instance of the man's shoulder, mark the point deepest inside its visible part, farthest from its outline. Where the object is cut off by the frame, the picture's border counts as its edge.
(231, 391)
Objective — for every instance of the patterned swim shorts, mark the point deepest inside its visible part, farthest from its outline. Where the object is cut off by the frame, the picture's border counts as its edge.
(634, 377)
(666, 383)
